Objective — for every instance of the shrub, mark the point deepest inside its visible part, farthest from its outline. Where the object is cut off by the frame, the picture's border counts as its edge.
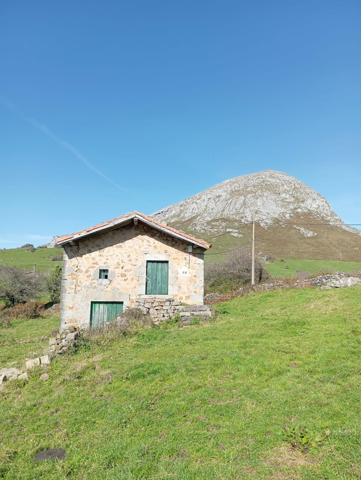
(130, 321)
(4, 320)
(26, 310)
(234, 272)
(28, 246)
(301, 438)
(18, 286)
(54, 285)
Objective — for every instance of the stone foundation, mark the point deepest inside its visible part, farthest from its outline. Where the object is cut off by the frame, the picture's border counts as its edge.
(163, 309)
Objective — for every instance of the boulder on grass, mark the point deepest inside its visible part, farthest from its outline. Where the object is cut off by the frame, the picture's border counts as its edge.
(32, 363)
(7, 374)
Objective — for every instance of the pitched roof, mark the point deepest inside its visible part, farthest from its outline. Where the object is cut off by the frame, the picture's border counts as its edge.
(124, 219)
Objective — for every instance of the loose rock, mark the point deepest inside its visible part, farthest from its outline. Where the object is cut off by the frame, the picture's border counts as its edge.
(50, 454)
(32, 363)
(336, 280)
(45, 360)
(7, 374)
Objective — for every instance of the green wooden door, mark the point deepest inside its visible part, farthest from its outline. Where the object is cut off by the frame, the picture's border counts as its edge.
(157, 278)
(102, 313)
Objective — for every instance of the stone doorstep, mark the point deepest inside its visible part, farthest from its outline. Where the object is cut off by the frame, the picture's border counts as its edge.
(195, 308)
(196, 313)
(186, 320)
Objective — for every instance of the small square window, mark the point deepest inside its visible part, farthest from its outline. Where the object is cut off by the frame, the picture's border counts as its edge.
(103, 273)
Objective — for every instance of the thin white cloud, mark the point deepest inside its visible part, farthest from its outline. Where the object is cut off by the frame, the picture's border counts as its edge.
(59, 141)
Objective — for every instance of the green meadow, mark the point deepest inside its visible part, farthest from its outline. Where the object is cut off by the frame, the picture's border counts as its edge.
(292, 267)
(270, 389)
(25, 339)
(41, 259)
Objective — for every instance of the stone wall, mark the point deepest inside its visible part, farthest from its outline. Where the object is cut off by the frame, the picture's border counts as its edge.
(125, 251)
(161, 310)
(58, 345)
(327, 281)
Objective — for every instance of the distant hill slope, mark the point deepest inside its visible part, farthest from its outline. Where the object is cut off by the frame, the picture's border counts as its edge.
(41, 259)
(292, 219)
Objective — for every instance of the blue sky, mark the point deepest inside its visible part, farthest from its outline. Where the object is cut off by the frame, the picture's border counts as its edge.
(112, 106)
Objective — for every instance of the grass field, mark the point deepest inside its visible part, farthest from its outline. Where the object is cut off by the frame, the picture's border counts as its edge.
(270, 390)
(24, 338)
(291, 267)
(40, 258)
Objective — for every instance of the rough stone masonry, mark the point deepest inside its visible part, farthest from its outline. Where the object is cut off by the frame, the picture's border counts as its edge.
(124, 253)
(161, 310)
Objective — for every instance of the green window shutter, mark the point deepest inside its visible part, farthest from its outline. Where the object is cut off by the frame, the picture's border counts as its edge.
(102, 313)
(157, 278)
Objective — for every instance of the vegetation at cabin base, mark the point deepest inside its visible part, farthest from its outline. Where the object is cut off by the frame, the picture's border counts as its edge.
(24, 338)
(270, 390)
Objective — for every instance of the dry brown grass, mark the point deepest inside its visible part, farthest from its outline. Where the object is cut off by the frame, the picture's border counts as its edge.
(330, 243)
(287, 462)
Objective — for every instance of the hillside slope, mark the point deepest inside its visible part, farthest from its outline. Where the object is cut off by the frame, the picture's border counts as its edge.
(40, 259)
(292, 219)
(231, 399)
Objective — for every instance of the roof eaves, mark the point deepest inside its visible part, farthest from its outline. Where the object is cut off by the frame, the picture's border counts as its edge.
(62, 240)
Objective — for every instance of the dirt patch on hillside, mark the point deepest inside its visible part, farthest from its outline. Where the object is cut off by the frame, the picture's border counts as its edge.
(288, 462)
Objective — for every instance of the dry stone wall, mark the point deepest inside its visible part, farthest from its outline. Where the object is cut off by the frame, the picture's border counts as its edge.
(161, 310)
(58, 345)
(328, 281)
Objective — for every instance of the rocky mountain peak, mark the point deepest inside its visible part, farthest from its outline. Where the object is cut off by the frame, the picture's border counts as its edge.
(269, 197)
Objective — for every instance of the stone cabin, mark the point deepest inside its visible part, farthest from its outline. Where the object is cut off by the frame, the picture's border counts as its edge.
(130, 261)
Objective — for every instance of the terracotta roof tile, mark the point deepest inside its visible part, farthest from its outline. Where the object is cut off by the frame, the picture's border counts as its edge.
(63, 239)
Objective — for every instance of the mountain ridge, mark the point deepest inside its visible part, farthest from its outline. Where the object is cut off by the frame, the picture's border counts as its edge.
(244, 200)
(282, 206)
